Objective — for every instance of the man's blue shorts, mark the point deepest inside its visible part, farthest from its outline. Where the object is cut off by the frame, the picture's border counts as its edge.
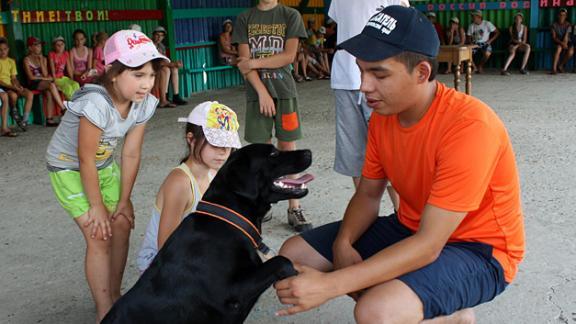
(464, 275)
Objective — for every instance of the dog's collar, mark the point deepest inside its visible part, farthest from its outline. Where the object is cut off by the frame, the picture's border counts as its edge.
(233, 218)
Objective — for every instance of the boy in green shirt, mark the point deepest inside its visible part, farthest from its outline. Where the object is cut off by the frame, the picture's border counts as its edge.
(267, 37)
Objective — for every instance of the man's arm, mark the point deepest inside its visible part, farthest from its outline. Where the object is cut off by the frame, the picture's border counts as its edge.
(410, 254)
(312, 288)
(495, 35)
(362, 210)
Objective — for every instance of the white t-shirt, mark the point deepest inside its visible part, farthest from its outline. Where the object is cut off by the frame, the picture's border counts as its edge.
(351, 17)
(480, 33)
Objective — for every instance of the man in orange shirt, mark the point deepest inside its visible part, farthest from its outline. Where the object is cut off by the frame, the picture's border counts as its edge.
(458, 236)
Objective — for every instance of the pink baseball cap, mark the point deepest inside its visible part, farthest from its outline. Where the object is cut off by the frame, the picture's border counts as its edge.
(132, 48)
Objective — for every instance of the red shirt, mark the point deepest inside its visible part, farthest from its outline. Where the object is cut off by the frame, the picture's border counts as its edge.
(60, 61)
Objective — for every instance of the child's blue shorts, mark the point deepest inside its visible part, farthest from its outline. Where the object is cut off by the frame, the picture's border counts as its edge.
(464, 275)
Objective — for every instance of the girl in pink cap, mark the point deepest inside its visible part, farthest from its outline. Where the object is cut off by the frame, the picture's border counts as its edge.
(88, 183)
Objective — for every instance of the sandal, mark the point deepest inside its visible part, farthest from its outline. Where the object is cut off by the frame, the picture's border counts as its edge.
(8, 134)
(51, 123)
(298, 78)
(167, 104)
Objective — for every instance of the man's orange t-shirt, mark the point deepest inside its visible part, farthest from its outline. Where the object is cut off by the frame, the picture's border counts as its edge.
(457, 157)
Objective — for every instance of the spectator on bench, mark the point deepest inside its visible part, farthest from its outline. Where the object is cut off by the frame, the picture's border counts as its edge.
(455, 35)
(6, 131)
(36, 69)
(228, 52)
(168, 73)
(561, 31)
(439, 30)
(518, 42)
(81, 59)
(61, 68)
(99, 39)
(9, 83)
(481, 33)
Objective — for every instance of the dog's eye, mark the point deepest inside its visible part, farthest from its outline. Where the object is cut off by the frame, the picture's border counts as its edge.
(275, 153)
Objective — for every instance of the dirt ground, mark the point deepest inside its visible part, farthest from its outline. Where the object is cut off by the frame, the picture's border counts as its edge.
(42, 251)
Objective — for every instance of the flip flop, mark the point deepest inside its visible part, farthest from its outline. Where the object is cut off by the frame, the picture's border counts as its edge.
(167, 105)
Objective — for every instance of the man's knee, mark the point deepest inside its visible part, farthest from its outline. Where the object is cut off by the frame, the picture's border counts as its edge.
(391, 302)
(299, 251)
(370, 310)
(292, 248)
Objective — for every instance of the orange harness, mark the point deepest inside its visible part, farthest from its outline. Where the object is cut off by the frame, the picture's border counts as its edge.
(231, 217)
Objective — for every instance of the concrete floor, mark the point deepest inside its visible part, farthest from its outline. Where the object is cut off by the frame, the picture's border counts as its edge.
(41, 260)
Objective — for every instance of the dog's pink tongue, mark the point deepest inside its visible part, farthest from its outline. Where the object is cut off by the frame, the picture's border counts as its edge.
(299, 181)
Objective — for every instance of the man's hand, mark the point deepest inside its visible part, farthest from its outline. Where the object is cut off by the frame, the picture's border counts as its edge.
(346, 255)
(244, 65)
(126, 210)
(309, 289)
(267, 107)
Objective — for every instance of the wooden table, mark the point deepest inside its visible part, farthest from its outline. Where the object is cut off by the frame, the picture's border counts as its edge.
(455, 55)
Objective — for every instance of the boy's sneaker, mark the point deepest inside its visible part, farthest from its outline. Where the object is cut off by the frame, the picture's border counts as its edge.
(297, 221)
(179, 101)
(18, 119)
(524, 71)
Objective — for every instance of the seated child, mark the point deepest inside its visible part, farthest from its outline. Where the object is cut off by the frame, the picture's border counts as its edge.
(99, 40)
(81, 59)
(9, 83)
(168, 74)
(226, 50)
(211, 134)
(321, 50)
(60, 66)
(36, 70)
(6, 131)
(301, 63)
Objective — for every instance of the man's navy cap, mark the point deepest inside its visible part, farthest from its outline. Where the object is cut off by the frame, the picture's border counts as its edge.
(394, 30)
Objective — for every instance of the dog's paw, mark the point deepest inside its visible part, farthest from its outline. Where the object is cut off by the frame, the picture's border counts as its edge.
(286, 269)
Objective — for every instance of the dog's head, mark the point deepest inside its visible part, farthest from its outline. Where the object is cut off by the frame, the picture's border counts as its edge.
(249, 181)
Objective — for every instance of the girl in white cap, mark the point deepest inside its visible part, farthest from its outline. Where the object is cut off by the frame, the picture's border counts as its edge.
(211, 134)
(87, 181)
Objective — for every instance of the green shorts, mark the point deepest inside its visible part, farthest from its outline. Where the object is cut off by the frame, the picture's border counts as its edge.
(286, 123)
(67, 186)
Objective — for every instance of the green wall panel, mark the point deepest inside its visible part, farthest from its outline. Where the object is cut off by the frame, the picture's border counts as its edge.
(202, 71)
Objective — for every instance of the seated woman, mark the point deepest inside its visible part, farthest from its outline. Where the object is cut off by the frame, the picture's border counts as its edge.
(518, 42)
(228, 52)
(36, 69)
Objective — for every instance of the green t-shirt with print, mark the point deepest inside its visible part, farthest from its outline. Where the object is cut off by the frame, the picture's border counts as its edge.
(266, 33)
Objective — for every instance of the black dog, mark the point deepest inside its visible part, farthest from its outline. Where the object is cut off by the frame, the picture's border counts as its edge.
(209, 270)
